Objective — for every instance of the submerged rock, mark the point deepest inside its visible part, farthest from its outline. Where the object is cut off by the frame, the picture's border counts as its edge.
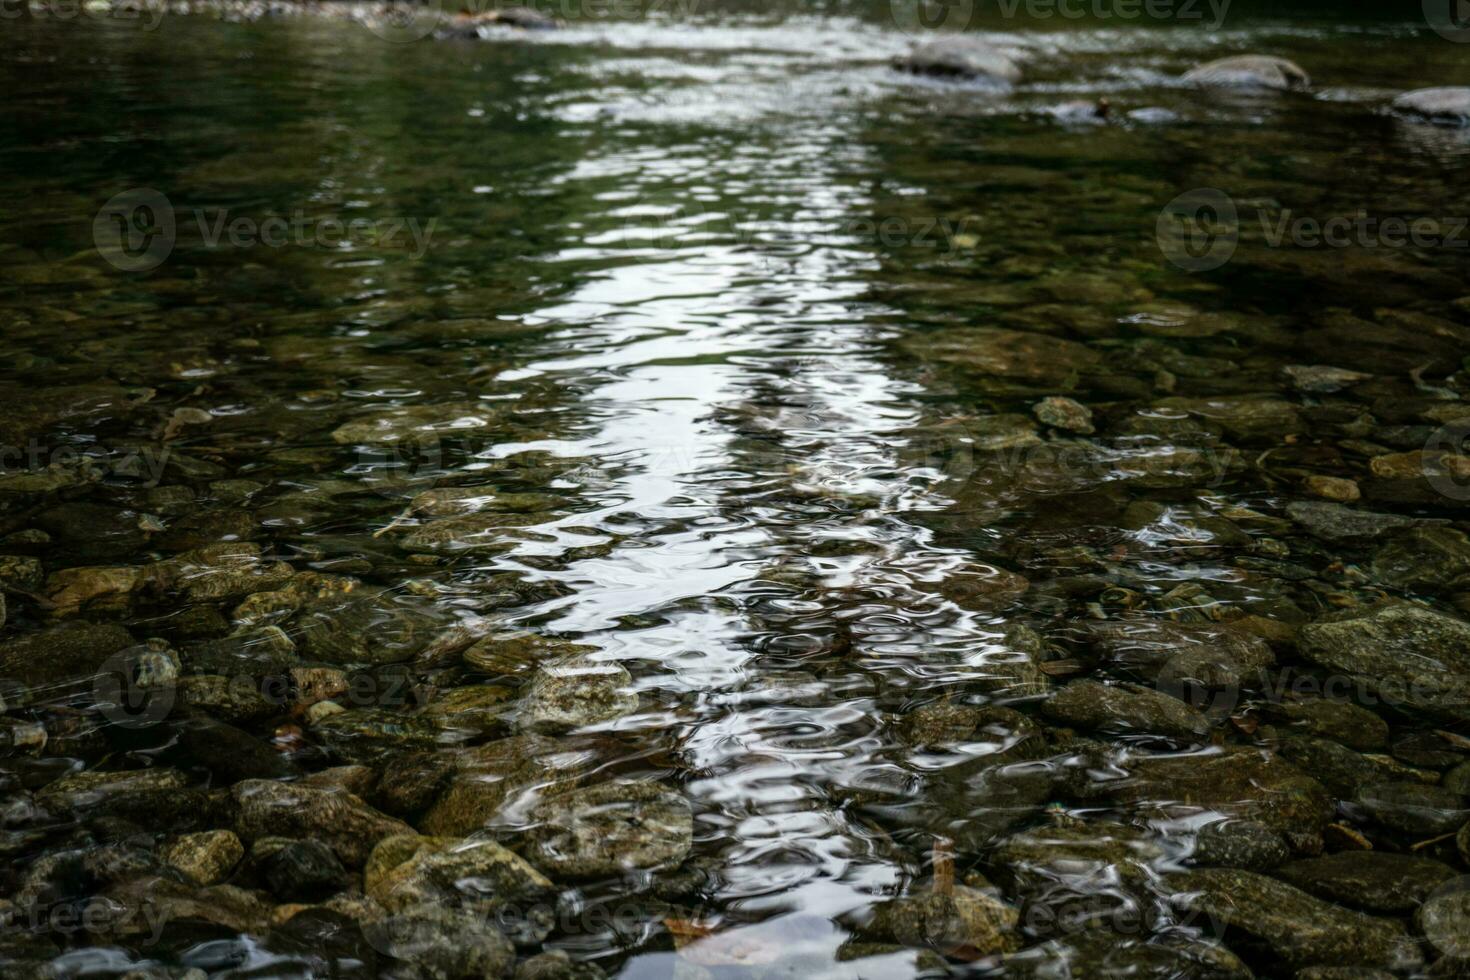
(610, 829)
(206, 858)
(484, 779)
(965, 923)
(963, 57)
(1405, 654)
(1246, 783)
(1337, 524)
(1068, 862)
(1424, 559)
(1064, 413)
(1249, 71)
(1009, 354)
(574, 694)
(442, 944)
(1124, 708)
(29, 664)
(1300, 929)
(1357, 728)
(416, 423)
(1374, 881)
(1414, 808)
(475, 875)
(1239, 844)
(342, 821)
(1101, 954)
(1447, 105)
(366, 736)
(301, 870)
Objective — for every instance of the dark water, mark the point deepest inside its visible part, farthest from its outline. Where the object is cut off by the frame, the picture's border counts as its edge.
(739, 332)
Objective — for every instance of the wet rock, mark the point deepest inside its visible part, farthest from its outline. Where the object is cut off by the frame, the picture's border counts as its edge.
(1374, 881)
(1061, 865)
(1064, 413)
(442, 944)
(1243, 417)
(1333, 488)
(1414, 808)
(1321, 379)
(458, 535)
(965, 922)
(371, 630)
(1181, 657)
(160, 797)
(1444, 919)
(230, 753)
(219, 572)
(469, 711)
(1424, 559)
(29, 664)
(488, 776)
(1405, 654)
(1446, 105)
(1337, 524)
(97, 589)
(574, 694)
(1239, 844)
(610, 829)
(949, 722)
(254, 652)
(1101, 954)
(1342, 973)
(342, 821)
(1245, 783)
(1009, 354)
(1339, 768)
(302, 870)
(516, 653)
(475, 875)
(1457, 780)
(555, 964)
(1300, 929)
(416, 423)
(233, 699)
(138, 908)
(961, 56)
(207, 858)
(1124, 708)
(1249, 71)
(1357, 728)
(366, 736)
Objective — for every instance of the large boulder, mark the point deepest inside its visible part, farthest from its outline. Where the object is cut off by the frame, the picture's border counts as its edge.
(959, 56)
(1448, 105)
(1249, 71)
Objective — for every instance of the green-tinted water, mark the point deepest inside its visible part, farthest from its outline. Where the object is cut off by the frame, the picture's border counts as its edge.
(705, 346)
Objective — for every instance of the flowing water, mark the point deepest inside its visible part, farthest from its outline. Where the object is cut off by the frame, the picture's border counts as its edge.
(736, 336)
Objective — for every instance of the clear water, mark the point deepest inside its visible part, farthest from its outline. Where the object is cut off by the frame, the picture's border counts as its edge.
(709, 277)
